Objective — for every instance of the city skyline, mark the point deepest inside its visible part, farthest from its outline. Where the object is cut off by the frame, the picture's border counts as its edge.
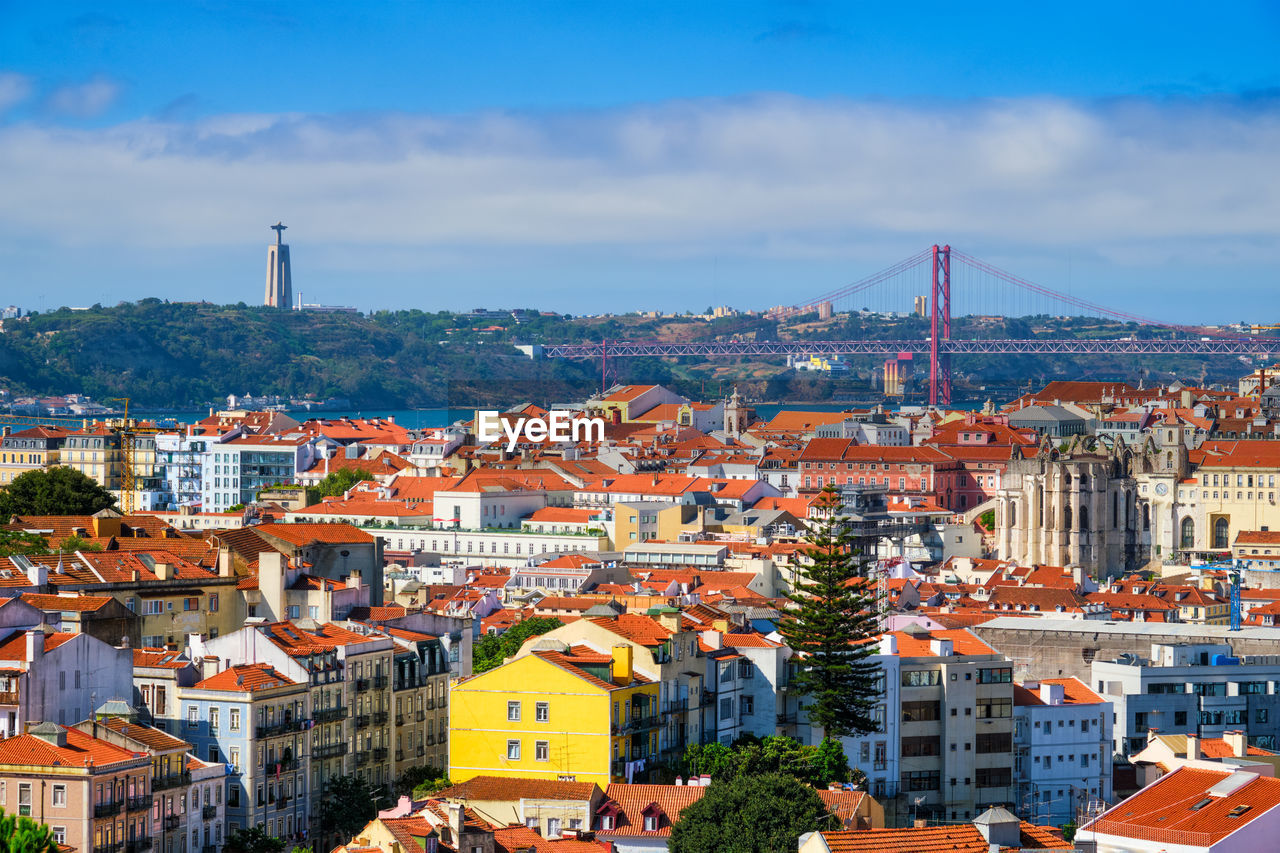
(604, 159)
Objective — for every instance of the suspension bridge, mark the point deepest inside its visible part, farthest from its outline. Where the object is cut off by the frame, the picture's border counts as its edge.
(944, 282)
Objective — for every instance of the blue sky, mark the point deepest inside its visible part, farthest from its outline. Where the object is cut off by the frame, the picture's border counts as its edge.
(614, 156)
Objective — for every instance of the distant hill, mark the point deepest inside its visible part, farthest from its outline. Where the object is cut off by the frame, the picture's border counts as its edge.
(163, 354)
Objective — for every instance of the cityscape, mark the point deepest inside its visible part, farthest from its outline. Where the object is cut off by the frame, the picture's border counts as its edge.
(948, 524)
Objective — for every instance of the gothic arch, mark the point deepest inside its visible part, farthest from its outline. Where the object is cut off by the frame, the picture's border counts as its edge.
(1187, 535)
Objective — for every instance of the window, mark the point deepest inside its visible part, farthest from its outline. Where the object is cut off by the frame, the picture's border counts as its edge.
(513, 712)
(918, 747)
(24, 798)
(213, 602)
(59, 796)
(234, 757)
(193, 717)
(995, 742)
(650, 823)
(542, 712)
(553, 827)
(1221, 530)
(919, 712)
(1188, 537)
(993, 777)
(989, 708)
(921, 780)
(60, 834)
(1003, 675)
(542, 750)
(513, 750)
(235, 718)
(189, 604)
(921, 677)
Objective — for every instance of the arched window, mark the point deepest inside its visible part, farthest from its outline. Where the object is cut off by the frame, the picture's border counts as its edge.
(1066, 518)
(1221, 529)
(1146, 516)
(1066, 479)
(1115, 510)
(1013, 514)
(1084, 517)
(1168, 460)
(1188, 537)
(1084, 481)
(1040, 506)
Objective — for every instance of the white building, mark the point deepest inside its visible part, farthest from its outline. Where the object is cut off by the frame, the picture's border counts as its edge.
(236, 468)
(1190, 687)
(1062, 749)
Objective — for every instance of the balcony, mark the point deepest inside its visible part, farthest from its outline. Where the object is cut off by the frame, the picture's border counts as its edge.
(399, 755)
(282, 728)
(380, 753)
(362, 685)
(328, 715)
(137, 845)
(284, 765)
(108, 809)
(431, 740)
(282, 803)
(329, 750)
(675, 706)
(362, 758)
(399, 719)
(636, 724)
(172, 821)
(208, 848)
(421, 715)
(173, 780)
(379, 682)
(786, 719)
(362, 721)
(108, 848)
(422, 750)
(139, 803)
(431, 704)
(209, 812)
(8, 697)
(380, 717)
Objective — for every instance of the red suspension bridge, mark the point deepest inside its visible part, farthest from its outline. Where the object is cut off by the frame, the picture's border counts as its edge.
(977, 285)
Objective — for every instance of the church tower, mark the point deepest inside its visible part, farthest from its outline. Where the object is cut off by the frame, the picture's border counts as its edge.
(279, 278)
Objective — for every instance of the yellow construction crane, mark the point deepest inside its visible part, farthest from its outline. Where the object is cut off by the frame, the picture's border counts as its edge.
(128, 431)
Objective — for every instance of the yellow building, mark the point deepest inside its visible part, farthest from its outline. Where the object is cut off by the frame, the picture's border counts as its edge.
(1234, 489)
(640, 521)
(31, 449)
(557, 713)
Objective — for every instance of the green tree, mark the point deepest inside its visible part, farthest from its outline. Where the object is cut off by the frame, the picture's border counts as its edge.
(24, 835)
(749, 814)
(336, 483)
(491, 651)
(15, 542)
(75, 542)
(818, 766)
(414, 777)
(56, 491)
(253, 839)
(829, 624)
(348, 804)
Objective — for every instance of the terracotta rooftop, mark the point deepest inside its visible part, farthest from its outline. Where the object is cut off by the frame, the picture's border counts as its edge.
(509, 788)
(246, 677)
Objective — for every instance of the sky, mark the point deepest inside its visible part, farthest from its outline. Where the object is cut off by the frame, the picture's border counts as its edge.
(609, 156)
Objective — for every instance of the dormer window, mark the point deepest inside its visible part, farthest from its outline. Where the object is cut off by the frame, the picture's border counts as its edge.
(606, 821)
(651, 823)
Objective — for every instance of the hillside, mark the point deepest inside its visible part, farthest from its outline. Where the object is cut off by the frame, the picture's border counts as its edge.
(190, 354)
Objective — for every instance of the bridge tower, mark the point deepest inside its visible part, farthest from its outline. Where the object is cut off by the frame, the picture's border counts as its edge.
(940, 327)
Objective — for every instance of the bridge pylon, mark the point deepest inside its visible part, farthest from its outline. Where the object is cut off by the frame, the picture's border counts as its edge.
(940, 327)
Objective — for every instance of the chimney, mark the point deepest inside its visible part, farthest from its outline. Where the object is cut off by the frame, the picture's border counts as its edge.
(714, 639)
(455, 813)
(35, 645)
(622, 659)
(670, 619)
(920, 823)
(1193, 747)
(888, 645)
(941, 648)
(1236, 740)
(164, 571)
(679, 781)
(226, 562)
(704, 780)
(1052, 694)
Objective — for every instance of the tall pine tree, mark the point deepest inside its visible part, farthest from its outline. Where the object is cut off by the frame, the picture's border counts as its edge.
(829, 625)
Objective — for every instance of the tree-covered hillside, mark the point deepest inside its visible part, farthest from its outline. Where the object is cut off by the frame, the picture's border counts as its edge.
(163, 354)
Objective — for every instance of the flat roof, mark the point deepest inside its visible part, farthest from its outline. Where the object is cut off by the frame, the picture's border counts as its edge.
(1193, 633)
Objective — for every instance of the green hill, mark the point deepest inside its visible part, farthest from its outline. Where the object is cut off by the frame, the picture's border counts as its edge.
(163, 354)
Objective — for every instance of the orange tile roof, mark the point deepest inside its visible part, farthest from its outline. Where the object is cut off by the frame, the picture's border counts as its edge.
(81, 750)
(155, 657)
(562, 515)
(1074, 692)
(157, 739)
(65, 603)
(514, 789)
(519, 839)
(632, 626)
(1165, 808)
(633, 800)
(959, 838)
(962, 643)
(246, 677)
(305, 534)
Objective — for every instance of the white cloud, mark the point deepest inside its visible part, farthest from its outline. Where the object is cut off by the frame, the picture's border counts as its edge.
(14, 89)
(83, 100)
(772, 176)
